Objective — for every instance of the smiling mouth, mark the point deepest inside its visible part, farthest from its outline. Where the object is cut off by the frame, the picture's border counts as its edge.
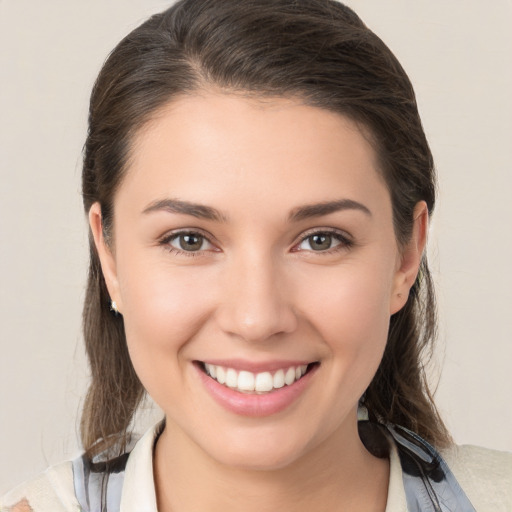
(256, 383)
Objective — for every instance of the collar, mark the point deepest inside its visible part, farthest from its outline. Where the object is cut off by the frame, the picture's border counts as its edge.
(138, 493)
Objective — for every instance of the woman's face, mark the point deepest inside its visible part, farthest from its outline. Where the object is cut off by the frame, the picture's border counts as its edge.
(253, 241)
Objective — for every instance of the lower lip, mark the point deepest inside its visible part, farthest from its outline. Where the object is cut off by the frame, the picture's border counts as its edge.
(255, 405)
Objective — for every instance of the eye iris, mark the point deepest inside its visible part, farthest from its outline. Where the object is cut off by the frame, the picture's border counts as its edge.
(320, 242)
(191, 242)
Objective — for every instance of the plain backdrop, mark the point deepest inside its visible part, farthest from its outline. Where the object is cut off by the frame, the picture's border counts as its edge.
(458, 54)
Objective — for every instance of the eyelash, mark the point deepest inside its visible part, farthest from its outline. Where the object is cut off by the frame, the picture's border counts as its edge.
(345, 242)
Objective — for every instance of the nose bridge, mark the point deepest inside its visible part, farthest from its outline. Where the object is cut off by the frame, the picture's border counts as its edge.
(255, 303)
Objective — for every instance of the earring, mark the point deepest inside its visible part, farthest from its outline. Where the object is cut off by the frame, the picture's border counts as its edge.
(113, 307)
(362, 411)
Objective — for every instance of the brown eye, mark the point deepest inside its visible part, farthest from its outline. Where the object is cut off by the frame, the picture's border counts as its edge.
(320, 242)
(189, 242)
(323, 241)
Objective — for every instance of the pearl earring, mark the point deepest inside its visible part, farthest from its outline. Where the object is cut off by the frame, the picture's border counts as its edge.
(362, 413)
(113, 307)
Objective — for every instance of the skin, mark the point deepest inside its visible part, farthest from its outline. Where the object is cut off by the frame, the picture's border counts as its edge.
(259, 290)
(22, 506)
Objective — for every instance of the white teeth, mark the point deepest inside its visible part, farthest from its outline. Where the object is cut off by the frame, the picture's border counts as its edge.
(231, 378)
(221, 375)
(264, 382)
(279, 379)
(248, 382)
(289, 378)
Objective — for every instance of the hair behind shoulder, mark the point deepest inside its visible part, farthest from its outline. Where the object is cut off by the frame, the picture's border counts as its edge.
(316, 50)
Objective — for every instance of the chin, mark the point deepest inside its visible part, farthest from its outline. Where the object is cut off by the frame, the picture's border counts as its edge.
(263, 449)
(258, 459)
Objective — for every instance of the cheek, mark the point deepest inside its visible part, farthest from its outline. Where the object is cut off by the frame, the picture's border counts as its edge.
(349, 309)
(348, 300)
(163, 306)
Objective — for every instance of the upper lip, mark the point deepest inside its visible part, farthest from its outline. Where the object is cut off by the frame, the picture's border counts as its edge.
(257, 367)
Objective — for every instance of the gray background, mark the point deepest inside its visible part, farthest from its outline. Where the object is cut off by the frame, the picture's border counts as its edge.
(458, 55)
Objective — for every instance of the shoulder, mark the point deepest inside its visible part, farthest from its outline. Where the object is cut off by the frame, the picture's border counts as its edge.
(485, 475)
(461, 477)
(51, 491)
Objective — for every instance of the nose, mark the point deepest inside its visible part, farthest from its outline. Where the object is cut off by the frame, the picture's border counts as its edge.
(255, 303)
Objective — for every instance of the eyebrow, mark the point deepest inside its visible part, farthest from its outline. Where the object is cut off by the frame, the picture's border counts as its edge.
(177, 206)
(325, 208)
(297, 214)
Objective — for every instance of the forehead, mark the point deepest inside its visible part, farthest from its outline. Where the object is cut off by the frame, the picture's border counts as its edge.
(209, 147)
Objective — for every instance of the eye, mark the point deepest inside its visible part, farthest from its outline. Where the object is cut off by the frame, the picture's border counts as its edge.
(187, 241)
(323, 241)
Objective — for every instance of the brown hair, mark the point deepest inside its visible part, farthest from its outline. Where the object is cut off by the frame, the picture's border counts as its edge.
(315, 50)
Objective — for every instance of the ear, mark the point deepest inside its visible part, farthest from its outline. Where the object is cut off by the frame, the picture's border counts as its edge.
(410, 259)
(105, 253)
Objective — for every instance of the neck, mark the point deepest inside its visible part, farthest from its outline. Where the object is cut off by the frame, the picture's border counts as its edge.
(338, 474)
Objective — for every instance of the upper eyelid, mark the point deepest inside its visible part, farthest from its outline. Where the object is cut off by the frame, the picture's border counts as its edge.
(330, 231)
(187, 231)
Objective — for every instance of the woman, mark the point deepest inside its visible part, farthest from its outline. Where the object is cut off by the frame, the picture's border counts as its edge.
(258, 187)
